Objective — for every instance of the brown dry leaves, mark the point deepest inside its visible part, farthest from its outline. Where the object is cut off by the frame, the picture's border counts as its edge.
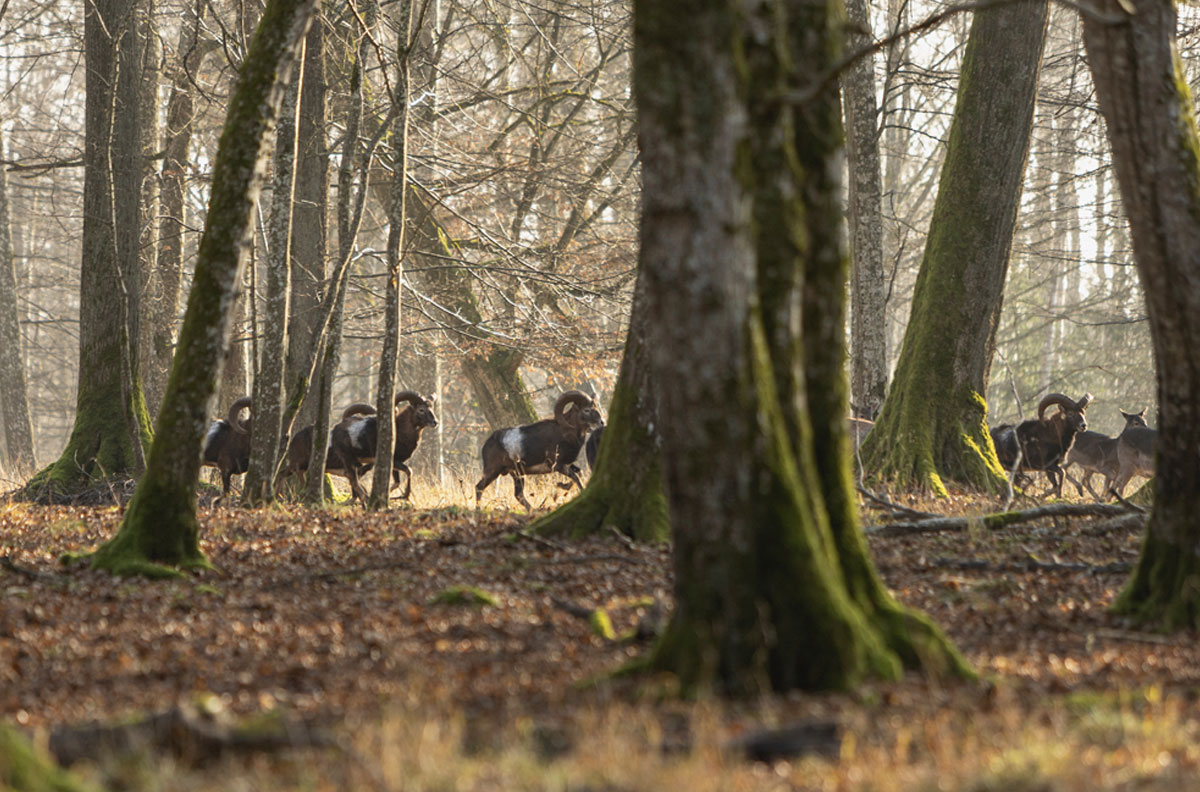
(330, 612)
(320, 612)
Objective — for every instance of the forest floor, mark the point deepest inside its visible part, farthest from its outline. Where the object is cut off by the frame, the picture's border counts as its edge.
(443, 648)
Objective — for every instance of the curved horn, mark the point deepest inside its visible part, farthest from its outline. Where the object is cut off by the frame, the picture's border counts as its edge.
(234, 414)
(358, 408)
(412, 397)
(570, 397)
(1061, 400)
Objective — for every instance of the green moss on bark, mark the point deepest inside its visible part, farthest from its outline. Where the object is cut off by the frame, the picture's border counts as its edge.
(1164, 591)
(100, 447)
(793, 624)
(924, 439)
(158, 533)
(23, 768)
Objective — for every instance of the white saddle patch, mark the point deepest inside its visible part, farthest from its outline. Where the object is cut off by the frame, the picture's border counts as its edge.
(510, 441)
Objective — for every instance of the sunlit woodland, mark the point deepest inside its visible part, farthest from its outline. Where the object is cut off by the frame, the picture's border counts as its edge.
(711, 394)
(522, 151)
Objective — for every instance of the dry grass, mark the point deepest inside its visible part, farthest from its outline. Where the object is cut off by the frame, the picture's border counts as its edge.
(1139, 741)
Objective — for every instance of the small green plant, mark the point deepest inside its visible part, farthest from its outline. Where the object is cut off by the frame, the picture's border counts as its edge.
(464, 595)
(601, 624)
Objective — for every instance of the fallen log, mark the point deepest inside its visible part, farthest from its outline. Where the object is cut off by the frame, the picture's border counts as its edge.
(182, 731)
(991, 522)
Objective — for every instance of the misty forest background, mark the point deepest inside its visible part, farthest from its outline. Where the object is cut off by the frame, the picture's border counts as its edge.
(521, 254)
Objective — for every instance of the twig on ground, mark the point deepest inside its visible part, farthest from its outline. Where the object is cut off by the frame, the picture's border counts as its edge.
(1031, 565)
(1125, 635)
(1124, 502)
(541, 540)
(895, 507)
(586, 559)
(620, 537)
(578, 611)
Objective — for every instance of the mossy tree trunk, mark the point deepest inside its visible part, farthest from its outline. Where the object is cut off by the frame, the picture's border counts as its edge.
(744, 278)
(625, 490)
(26, 768)
(110, 411)
(492, 370)
(933, 427)
(160, 526)
(1143, 93)
(133, 145)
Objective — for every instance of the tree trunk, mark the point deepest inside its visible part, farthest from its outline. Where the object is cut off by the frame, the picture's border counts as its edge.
(355, 53)
(14, 394)
(625, 490)
(389, 356)
(308, 227)
(160, 526)
(143, 199)
(159, 342)
(933, 427)
(734, 188)
(135, 193)
(110, 411)
(868, 329)
(498, 387)
(1144, 97)
(269, 378)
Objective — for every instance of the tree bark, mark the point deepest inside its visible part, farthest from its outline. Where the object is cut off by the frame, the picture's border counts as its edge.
(269, 379)
(734, 189)
(159, 342)
(14, 393)
(309, 223)
(160, 526)
(143, 198)
(355, 53)
(933, 427)
(111, 422)
(868, 328)
(1143, 94)
(397, 219)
